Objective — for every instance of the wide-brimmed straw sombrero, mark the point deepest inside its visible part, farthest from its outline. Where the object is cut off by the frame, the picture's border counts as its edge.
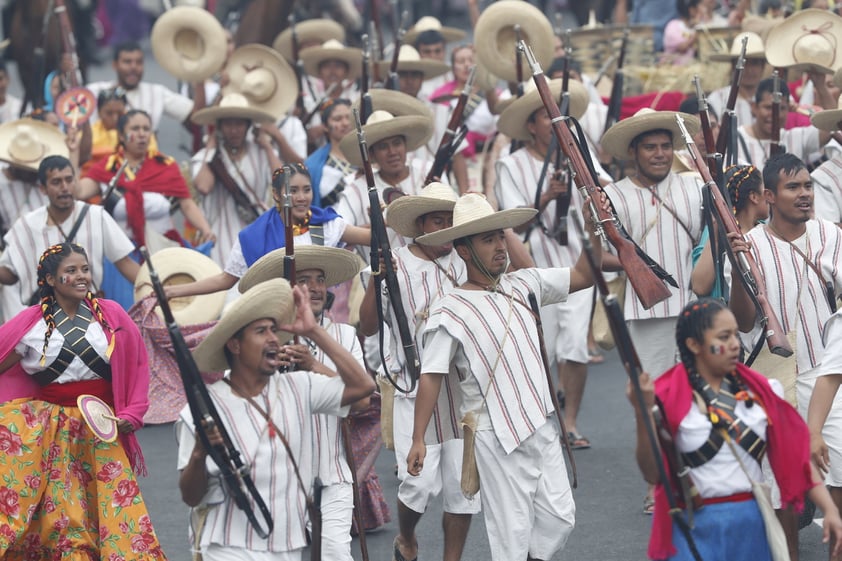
(397, 103)
(495, 38)
(828, 119)
(310, 33)
(754, 48)
(25, 142)
(513, 120)
(268, 300)
(429, 23)
(617, 139)
(402, 213)
(231, 106)
(263, 77)
(809, 40)
(410, 61)
(179, 265)
(189, 43)
(472, 214)
(381, 125)
(338, 265)
(312, 57)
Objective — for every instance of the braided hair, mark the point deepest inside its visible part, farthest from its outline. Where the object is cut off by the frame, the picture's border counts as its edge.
(696, 318)
(48, 264)
(741, 181)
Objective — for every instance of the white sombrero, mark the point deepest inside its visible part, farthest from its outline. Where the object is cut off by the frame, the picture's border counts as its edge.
(25, 142)
(828, 119)
(617, 139)
(402, 214)
(231, 106)
(429, 23)
(513, 119)
(472, 214)
(416, 130)
(809, 40)
(271, 300)
(397, 103)
(189, 43)
(179, 265)
(332, 50)
(310, 33)
(263, 77)
(754, 48)
(338, 265)
(410, 61)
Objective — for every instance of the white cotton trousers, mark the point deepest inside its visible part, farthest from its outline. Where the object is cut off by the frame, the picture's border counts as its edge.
(216, 552)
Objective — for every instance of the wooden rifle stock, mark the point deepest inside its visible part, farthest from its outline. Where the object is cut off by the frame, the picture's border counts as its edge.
(562, 201)
(233, 471)
(728, 117)
(447, 146)
(380, 246)
(289, 241)
(647, 284)
(743, 262)
(775, 146)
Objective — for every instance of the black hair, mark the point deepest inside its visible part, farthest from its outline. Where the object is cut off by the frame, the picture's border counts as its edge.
(330, 104)
(683, 7)
(116, 93)
(229, 356)
(51, 163)
(126, 47)
(767, 86)
(691, 105)
(429, 37)
(788, 163)
(124, 119)
(639, 138)
(292, 169)
(740, 181)
(557, 66)
(766, 5)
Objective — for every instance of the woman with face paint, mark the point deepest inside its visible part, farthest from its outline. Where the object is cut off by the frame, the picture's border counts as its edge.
(722, 418)
(65, 489)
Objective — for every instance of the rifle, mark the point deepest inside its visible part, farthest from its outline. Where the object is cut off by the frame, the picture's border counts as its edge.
(72, 78)
(743, 262)
(365, 97)
(775, 146)
(707, 131)
(393, 83)
(453, 134)
(562, 201)
(645, 275)
(631, 362)
(206, 417)
(299, 67)
(726, 141)
(380, 246)
(286, 215)
(109, 201)
(318, 107)
(345, 429)
(374, 14)
(518, 89)
(615, 102)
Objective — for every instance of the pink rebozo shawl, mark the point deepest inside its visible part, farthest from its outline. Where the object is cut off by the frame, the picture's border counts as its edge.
(129, 370)
(787, 437)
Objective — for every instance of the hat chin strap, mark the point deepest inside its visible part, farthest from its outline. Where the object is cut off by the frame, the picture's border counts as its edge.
(494, 280)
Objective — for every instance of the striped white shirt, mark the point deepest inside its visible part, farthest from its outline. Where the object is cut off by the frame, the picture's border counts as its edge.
(827, 188)
(253, 175)
(10, 110)
(489, 340)
(17, 197)
(798, 297)
(661, 236)
(292, 399)
(718, 100)
(800, 141)
(156, 99)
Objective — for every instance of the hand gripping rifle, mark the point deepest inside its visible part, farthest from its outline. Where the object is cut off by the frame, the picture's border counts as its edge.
(775, 146)
(380, 246)
(234, 472)
(454, 134)
(743, 262)
(631, 362)
(646, 276)
(726, 142)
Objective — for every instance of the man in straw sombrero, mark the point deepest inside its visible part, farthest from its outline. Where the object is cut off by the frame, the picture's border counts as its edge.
(317, 269)
(520, 185)
(755, 65)
(248, 341)
(484, 332)
(430, 39)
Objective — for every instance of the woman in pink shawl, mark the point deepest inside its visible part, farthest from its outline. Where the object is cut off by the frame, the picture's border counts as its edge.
(722, 418)
(64, 489)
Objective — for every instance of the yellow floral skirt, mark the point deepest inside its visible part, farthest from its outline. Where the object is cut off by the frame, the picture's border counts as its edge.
(65, 495)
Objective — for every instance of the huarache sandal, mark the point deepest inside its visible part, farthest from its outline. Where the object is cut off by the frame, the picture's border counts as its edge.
(398, 556)
(649, 505)
(577, 441)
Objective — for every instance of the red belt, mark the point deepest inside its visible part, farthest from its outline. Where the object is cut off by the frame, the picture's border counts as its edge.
(66, 394)
(735, 498)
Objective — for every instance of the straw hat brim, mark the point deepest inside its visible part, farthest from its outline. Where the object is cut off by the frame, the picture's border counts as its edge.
(450, 34)
(182, 261)
(49, 137)
(310, 30)
(415, 129)
(430, 68)
(210, 115)
(212, 44)
(397, 103)
(617, 139)
(402, 213)
(513, 119)
(270, 300)
(827, 120)
(510, 218)
(338, 265)
(782, 40)
(252, 56)
(312, 57)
